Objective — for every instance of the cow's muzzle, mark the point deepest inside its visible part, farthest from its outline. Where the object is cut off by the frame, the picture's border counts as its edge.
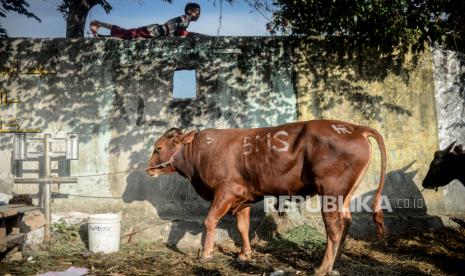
(152, 172)
(155, 170)
(430, 186)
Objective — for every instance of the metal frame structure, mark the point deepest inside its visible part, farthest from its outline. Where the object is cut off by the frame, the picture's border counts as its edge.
(46, 147)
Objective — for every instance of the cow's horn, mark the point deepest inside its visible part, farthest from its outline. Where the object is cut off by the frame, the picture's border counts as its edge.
(446, 150)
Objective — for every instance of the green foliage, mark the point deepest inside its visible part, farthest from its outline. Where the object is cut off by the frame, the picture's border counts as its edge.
(386, 25)
(18, 6)
(67, 238)
(75, 13)
(66, 230)
(303, 237)
(67, 5)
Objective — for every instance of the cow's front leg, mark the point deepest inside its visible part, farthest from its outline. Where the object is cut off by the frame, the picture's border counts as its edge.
(243, 225)
(219, 207)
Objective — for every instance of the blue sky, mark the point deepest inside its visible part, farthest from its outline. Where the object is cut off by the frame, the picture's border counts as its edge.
(237, 18)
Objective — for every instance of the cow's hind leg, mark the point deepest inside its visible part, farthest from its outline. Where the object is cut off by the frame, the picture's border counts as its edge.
(243, 225)
(347, 221)
(219, 207)
(337, 223)
(334, 224)
(345, 214)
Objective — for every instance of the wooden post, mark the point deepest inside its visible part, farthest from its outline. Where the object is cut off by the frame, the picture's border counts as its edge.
(48, 200)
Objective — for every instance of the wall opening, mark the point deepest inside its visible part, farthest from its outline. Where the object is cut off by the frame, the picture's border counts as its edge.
(184, 84)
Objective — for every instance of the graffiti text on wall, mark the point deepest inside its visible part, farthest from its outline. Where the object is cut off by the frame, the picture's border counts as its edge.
(38, 69)
(5, 100)
(11, 125)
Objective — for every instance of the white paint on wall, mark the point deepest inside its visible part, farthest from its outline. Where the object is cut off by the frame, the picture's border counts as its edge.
(448, 70)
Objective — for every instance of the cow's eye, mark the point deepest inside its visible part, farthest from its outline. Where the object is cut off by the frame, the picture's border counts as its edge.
(156, 150)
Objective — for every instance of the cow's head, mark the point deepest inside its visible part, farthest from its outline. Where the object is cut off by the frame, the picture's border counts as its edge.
(444, 167)
(164, 150)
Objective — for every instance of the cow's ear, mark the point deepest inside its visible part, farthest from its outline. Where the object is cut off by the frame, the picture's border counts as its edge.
(187, 138)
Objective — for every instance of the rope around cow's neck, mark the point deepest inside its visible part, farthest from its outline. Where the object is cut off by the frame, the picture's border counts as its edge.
(161, 165)
(167, 163)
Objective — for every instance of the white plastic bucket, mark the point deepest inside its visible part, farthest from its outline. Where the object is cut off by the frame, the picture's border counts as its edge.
(104, 232)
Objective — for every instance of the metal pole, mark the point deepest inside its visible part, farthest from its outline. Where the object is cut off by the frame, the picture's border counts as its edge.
(47, 161)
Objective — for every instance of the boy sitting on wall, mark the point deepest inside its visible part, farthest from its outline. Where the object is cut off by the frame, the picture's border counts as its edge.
(174, 27)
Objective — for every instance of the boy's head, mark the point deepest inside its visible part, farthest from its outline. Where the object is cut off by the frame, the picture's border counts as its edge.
(193, 10)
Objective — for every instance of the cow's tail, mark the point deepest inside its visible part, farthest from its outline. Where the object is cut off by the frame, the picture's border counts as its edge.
(378, 216)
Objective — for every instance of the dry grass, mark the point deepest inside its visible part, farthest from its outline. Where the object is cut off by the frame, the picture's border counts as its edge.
(296, 252)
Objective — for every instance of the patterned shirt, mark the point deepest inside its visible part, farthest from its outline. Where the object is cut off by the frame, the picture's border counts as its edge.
(174, 27)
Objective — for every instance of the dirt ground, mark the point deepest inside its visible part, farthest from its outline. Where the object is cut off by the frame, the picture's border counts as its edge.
(296, 252)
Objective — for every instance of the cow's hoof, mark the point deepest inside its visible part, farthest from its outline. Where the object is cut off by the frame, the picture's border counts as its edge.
(244, 257)
(320, 272)
(206, 259)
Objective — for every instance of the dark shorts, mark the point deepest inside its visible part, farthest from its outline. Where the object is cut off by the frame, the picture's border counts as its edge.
(130, 33)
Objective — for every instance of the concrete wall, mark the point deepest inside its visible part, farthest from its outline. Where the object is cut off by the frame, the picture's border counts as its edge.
(449, 80)
(117, 96)
(394, 96)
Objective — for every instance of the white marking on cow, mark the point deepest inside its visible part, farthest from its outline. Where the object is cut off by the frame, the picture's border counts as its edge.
(340, 129)
(285, 144)
(247, 146)
(266, 138)
(209, 140)
(279, 137)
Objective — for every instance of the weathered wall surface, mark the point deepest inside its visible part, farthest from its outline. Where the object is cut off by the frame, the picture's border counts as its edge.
(449, 80)
(117, 95)
(396, 97)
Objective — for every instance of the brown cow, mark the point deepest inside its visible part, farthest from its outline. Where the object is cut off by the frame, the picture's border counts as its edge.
(234, 168)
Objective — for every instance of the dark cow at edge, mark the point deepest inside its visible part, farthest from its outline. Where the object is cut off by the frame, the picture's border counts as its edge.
(234, 168)
(447, 165)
